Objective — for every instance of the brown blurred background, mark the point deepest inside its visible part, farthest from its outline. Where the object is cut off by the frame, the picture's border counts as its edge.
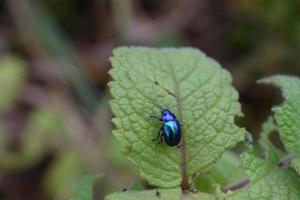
(54, 117)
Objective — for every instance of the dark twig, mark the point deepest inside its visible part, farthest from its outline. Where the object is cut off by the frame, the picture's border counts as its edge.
(236, 186)
(286, 161)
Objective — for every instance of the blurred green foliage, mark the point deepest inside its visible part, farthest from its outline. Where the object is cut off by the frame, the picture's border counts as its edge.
(265, 37)
(43, 130)
(262, 38)
(12, 79)
(45, 133)
(84, 189)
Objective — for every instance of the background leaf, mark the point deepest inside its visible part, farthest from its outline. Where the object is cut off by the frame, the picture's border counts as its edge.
(207, 108)
(287, 115)
(267, 180)
(84, 189)
(12, 78)
(224, 172)
(161, 194)
(45, 130)
(270, 151)
(66, 169)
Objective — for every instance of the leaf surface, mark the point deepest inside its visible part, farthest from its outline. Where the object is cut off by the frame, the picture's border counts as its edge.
(287, 115)
(84, 189)
(206, 106)
(270, 151)
(224, 172)
(267, 180)
(160, 194)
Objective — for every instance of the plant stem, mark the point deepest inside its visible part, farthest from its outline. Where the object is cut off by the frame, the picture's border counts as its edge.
(184, 185)
(184, 177)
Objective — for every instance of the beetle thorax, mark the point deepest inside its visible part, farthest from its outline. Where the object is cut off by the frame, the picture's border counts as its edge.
(167, 116)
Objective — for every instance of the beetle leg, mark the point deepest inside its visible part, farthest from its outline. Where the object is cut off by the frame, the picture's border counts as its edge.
(159, 135)
(160, 139)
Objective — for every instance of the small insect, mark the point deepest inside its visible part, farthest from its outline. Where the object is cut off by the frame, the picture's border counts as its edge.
(170, 130)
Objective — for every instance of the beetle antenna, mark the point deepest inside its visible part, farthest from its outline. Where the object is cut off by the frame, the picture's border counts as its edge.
(160, 108)
(172, 106)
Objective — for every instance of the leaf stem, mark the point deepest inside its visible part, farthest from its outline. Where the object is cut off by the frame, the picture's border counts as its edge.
(184, 185)
(184, 177)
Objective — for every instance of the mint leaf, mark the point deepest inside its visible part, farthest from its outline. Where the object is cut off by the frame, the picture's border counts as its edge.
(296, 164)
(224, 172)
(84, 189)
(287, 115)
(270, 151)
(160, 194)
(267, 181)
(207, 106)
(164, 194)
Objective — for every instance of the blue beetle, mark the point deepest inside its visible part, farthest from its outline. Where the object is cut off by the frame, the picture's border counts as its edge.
(170, 130)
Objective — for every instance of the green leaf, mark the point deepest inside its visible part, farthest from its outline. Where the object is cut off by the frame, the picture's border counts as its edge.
(84, 189)
(12, 79)
(224, 172)
(296, 164)
(270, 151)
(267, 180)
(227, 170)
(61, 174)
(287, 115)
(44, 131)
(160, 194)
(206, 106)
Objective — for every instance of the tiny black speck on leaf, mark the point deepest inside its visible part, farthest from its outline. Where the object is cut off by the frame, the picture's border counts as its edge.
(157, 193)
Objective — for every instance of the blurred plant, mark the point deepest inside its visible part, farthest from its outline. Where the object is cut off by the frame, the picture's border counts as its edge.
(266, 35)
(43, 39)
(52, 128)
(12, 78)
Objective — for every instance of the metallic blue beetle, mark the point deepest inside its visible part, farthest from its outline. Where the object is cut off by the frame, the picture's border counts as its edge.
(170, 130)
